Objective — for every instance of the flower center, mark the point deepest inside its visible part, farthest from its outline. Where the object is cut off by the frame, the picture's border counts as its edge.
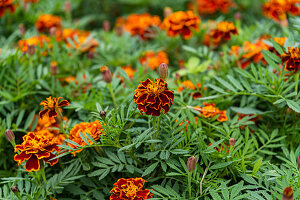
(131, 190)
(156, 87)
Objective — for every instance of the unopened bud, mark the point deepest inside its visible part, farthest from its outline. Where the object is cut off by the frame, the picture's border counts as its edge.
(68, 6)
(102, 113)
(53, 68)
(53, 31)
(177, 76)
(14, 189)
(167, 11)
(31, 50)
(22, 29)
(288, 194)
(232, 141)
(10, 136)
(106, 25)
(298, 160)
(119, 31)
(238, 16)
(106, 74)
(163, 71)
(90, 55)
(221, 54)
(191, 163)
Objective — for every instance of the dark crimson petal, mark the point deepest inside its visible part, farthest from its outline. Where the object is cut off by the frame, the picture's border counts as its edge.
(52, 113)
(141, 99)
(146, 82)
(186, 32)
(151, 98)
(197, 95)
(142, 108)
(22, 157)
(167, 108)
(143, 194)
(32, 164)
(156, 105)
(42, 113)
(164, 99)
(114, 197)
(43, 154)
(51, 162)
(154, 112)
(63, 103)
(51, 148)
(170, 94)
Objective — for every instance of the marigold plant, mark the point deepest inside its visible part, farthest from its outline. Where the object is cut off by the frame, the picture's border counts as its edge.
(209, 111)
(51, 106)
(46, 22)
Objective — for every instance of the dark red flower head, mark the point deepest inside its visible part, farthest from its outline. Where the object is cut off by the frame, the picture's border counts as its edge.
(130, 189)
(291, 59)
(51, 106)
(151, 97)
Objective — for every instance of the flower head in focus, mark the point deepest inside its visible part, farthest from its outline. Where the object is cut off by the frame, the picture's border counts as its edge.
(210, 111)
(291, 59)
(51, 106)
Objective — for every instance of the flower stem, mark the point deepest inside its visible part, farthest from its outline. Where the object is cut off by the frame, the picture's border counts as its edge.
(296, 86)
(190, 184)
(44, 175)
(112, 94)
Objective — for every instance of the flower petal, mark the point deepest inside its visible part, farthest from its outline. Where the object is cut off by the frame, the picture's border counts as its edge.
(51, 162)
(32, 164)
(63, 103)
(52, 113)
(22, 157)
(42, 113)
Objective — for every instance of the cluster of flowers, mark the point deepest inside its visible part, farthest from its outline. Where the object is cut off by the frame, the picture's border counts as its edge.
(210, 111)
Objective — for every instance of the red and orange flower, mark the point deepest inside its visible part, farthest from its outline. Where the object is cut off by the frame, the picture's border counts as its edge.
(153, 60)
(94, 129)
(189, 85)
(210, 111)
(6, 5)
(151, 97)
(220, 34)
(181, 23)
(35, 149)
(130, 189)
(210, 7)
(291, 59)
(37, 41)
(51, 106)
(140, 24)
(46, 22)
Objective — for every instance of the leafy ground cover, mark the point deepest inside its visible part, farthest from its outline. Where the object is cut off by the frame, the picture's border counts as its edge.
(149, 99)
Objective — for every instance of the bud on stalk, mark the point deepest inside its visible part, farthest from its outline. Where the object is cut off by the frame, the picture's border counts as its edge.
(102, 113)
(232, 141)
(31, 50)
(106, 74)
(22, 29)
(68, 6)
(106, 25)
(167, 11)
(163, 71)
(14, 189)
(53, 68)
(10, 136)
(191, 163)
(288, 194)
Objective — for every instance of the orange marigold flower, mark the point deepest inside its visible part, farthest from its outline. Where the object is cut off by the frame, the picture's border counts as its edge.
(52, 134)
(189, 85)
(130, 189)
(181, 23)
(33, 41)
(45, 22)
(129, 71)
(6, 5)
(291, 59)
(94, 129)
(278, 9)
(221, 148)
(153, 60)
(151, 97)
(210, 7)
(209, 111)
(51, 106)
(34, 149)
(221, 33)
(140, 24)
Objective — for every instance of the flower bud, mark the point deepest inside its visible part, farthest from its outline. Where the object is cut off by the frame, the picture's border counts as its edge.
(10, 136)
(288, 194)
(232, 141)
(90, 55)
(119, 31)
(221, 54)
(167, 11)
(106, 74)
(53, 68)
(22, 29)
(298, 160)
(14, 189)
(163, 71)
(31, 50)
(53, 31)
(238, 16)
(68, 6)
(191, 163)
(102, 113)
(106, 25)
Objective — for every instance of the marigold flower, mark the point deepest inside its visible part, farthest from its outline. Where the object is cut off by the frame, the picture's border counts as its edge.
(291, 59)
(288, 194)
(210, 7)
(209, 111)
(140, 24)
(45, 22)
(151, 97)
(35, 148)
(181, 23)
(221, 33)
(94, 129)
(129, 71)
(153, 60)
(7, 5)
(39, 41)
(51, 106)
(189, 85)
(130, 189)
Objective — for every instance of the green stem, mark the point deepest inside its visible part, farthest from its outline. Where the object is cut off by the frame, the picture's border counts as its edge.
(112, 94)
(296, 86)
(190, 184)
(18, 195)
(43, 175)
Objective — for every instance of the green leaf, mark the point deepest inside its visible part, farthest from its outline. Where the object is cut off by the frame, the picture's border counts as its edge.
(257, 166)
(150, 169)
(221, 165)
(225, 84)
(235, 82)
(293, 105)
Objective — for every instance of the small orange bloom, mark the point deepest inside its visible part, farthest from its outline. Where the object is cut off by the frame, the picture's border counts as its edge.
(181, 23)
(211, 7)
(129, 71)
(33, 149)
(45, 22)
(189, 85)
(33, 41)
(222, 148)
(6, 5)
(51, 106)
(151, 97)
(94, 129)
(221, 33)
(153, 60)
(130, 189)
(209, 111)
(140, 24)
(291, 59)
